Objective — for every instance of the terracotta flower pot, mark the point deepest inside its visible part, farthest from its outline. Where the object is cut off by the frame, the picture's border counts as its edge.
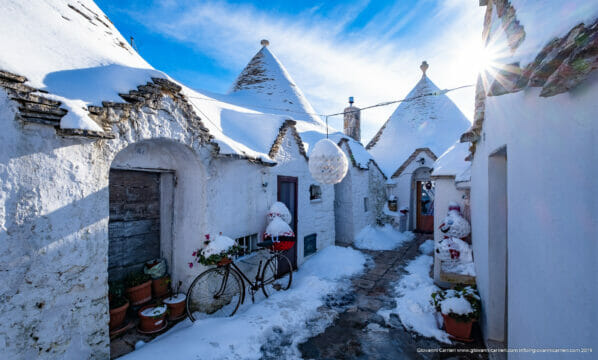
(150, 321)
(160, 287)
(458, 329)
(117, 316)
(140, 294)
(176, 306)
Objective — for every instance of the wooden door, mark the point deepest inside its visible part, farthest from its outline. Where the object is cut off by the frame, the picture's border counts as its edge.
(287, 194)
(425, 206)
(134, 222)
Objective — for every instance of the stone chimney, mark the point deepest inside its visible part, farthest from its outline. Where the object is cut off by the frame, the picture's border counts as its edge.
(352, 123)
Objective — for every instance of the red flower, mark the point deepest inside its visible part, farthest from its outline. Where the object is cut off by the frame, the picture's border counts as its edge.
(207, 236)
(194, 253)
(190, 265)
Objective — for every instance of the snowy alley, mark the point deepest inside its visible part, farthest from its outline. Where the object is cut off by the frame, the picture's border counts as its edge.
(244, 179)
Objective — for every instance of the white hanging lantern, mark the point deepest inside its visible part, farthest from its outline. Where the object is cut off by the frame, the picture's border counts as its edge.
(327, 162)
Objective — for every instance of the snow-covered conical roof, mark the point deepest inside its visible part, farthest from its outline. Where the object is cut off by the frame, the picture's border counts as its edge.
(268, 87)
(420, 122)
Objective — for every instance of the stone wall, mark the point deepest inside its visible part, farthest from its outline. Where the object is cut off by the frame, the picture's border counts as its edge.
(54, 225)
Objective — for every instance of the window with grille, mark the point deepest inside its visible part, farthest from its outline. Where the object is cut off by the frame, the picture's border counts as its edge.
(248, 244)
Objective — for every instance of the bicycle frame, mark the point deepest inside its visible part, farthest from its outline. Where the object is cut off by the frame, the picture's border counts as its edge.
(244, 279)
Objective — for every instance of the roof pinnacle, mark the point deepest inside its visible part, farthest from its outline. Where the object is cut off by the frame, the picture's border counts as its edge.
(264, 42)
(424, 66)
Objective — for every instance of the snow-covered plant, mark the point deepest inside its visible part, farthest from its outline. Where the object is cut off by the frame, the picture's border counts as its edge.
(215, 250)
(460, 303)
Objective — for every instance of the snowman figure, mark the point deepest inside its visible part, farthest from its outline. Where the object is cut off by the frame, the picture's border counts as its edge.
(454, 224)
(455, 228)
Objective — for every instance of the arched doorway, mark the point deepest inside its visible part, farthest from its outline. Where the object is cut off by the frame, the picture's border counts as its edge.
(153, 187)
(422, 197)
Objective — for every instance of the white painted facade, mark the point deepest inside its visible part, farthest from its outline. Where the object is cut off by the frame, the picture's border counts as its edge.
(359, 199)
(534, 207)
(54, 218)
(551, 172)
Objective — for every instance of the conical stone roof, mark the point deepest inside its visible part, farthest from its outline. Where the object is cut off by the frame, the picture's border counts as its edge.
(422, 121)
(266, 85)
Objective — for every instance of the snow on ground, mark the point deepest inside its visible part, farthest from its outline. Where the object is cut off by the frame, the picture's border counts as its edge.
(242, 336)
(414, 294)
(381, 238)
(427, 247)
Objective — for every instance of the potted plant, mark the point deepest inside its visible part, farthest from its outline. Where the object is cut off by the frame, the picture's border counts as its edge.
(118, 304)
(176, 303)
(152, 318)
(459, 307)
(138, 288)
(156, 268)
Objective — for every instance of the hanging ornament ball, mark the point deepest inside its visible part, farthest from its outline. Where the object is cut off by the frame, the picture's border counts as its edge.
(327, 162)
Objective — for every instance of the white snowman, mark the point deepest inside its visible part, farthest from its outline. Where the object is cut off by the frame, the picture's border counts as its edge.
(454, 224)
(455, 228)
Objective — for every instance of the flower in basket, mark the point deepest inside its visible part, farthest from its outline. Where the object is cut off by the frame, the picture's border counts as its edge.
(462, 303)
(215, 250)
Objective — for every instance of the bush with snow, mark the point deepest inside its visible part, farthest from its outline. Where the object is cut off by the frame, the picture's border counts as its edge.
(215, 250)
(461, 303)
(381, 238)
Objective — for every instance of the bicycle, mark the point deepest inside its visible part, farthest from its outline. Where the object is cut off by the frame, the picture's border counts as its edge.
(220, 291)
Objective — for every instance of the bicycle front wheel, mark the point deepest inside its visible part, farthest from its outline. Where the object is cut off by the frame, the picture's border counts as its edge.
(272, 281)
(214, 293)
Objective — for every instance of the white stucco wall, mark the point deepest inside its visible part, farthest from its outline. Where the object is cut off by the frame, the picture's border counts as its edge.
(552, 172)
(359, 184)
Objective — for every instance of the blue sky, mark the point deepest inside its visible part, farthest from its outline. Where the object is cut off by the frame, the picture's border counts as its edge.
(333, 49)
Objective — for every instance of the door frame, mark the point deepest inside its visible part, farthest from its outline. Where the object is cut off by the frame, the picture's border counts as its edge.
(291, 179)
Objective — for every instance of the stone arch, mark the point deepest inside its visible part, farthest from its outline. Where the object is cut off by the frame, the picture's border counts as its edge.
(180, 175)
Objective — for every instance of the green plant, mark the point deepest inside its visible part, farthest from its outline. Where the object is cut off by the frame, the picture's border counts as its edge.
(468, 293)
(116, 292)
(136, 278)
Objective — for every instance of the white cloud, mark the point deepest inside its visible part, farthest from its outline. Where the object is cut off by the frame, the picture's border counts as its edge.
(329, 63)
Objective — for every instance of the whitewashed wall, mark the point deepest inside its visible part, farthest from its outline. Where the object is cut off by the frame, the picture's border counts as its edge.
(54, 209)
(54, 227)
(313, 216)
(552, 172)
(350, 212)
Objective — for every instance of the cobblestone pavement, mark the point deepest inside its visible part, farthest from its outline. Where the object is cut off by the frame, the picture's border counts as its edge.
(360, 333)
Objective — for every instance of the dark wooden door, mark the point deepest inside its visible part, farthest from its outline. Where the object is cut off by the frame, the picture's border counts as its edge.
(287, 194)
(134, 223)
(425, 206)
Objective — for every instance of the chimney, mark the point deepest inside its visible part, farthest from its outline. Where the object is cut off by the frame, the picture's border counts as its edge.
(352, 121)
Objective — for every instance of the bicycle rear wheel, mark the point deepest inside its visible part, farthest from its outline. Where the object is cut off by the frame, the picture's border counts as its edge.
(271, 281)
(216, 292)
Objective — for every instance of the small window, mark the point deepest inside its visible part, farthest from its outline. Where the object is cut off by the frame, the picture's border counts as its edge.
(248, 244)
(309, 244)
(315, 192)
(365, 204)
